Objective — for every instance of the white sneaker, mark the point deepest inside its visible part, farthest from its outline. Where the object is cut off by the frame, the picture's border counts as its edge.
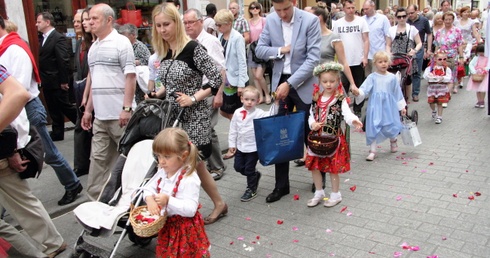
(330, 203)
(444, 105)
(315, 201)
(438, 120)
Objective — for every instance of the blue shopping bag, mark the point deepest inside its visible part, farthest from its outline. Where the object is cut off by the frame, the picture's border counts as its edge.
(280, 138)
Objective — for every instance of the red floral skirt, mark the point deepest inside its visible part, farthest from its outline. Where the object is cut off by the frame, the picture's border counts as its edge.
(183, 237)
(338, 163)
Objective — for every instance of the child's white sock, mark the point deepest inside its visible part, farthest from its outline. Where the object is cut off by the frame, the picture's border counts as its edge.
(320, 193)
(335, 196)
(373, 147)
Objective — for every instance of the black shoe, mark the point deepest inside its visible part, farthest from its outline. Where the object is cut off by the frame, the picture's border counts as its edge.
(56, 137)
(70, 195)
(80, 172)
(299, 162)
(248, 195)
(277, 194)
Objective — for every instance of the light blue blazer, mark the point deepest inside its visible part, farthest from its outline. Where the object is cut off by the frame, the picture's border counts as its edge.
(305, 50)
(236, 61)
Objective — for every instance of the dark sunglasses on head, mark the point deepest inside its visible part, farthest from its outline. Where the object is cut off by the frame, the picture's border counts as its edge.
(441, 59)
(254, 7)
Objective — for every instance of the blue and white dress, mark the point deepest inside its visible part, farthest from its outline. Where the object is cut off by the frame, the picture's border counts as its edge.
(385, 101)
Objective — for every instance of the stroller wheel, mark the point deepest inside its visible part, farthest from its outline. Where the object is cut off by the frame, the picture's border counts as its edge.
(415, 116)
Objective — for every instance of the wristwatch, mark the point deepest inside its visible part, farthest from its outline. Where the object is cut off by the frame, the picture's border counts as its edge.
(127, 109)
(193, 99)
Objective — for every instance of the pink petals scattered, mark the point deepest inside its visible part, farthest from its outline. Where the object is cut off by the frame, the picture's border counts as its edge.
(280, 222)
(296, 197)
(406, 246)
(471, 197)
(343, 209)
(353, 188)
(397, 254)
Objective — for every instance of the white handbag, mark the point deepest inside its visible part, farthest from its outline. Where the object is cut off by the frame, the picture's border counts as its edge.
(410, 133)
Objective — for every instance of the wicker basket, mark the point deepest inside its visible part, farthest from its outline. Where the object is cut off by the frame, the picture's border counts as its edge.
(323, 144)
(146, 230)
(477, 77)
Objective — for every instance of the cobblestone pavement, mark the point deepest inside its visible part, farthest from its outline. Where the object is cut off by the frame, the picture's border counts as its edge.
(428, 201)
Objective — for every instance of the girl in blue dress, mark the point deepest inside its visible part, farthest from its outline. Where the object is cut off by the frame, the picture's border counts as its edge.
(385, 100)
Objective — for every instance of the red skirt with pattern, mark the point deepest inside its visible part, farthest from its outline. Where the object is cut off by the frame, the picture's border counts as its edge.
(338, 163)
(183, 237)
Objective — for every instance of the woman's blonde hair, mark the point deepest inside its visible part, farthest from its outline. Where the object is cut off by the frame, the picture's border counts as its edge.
(174, 140)
(161, 46)
(223, 16)
(381, 55)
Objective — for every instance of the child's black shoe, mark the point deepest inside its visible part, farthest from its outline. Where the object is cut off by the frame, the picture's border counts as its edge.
(248, 195)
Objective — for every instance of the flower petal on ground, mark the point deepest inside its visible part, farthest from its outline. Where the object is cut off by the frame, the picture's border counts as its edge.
(279, 222)
(397, 254)
(477, 193)
(455, 195)
(296, 197)
(353, 188)
(343, 209)
(415, 248)
(295, 228)
(471, 197)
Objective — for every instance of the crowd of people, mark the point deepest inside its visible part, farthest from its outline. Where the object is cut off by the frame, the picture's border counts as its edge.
(201, 65)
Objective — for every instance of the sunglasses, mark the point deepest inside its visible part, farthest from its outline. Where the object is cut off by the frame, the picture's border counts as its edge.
(401, 17)
(254, 8)
(441, 59)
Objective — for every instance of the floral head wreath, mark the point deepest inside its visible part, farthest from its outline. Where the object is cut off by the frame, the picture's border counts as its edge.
(325, 67)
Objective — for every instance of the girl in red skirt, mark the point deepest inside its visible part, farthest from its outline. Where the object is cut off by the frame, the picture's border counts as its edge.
(175, 188)
(328, 108)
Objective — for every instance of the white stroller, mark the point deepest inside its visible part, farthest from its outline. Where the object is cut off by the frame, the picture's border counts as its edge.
(101, 220)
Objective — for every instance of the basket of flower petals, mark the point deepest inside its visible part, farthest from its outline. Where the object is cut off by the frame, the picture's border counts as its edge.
(144, 224)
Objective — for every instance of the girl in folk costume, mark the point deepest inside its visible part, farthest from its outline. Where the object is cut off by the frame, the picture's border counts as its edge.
(479, 66)
(438, 76)
(385, 100)
(175, 188)
(329, 107)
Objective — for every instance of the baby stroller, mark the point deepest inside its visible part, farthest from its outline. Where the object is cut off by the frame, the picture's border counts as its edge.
(133, 168)
(401, 66)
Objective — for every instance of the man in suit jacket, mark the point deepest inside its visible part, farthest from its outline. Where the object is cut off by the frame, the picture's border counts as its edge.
(54, 69)
(292, 38)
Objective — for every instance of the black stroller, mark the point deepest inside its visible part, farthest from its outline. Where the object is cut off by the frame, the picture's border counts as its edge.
(402, 64)
(134, 167)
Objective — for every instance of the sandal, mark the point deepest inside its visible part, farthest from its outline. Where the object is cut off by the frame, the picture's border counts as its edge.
(228, 155)
(217, 174)
(208, 220)
(371, 156)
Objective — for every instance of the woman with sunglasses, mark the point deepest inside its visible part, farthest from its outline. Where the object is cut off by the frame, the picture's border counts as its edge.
(257, 24)
(450, 40)
(404, 39)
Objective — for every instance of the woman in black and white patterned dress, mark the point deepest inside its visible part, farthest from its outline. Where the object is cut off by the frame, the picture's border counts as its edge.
(183, 64)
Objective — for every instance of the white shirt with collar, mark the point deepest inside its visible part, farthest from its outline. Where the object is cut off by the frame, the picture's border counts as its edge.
(214, 49)
(242, 134)
(287, 34)
(46, 35)
(17, 62)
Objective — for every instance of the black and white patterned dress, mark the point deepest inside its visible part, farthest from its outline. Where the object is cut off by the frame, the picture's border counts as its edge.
(184, 74)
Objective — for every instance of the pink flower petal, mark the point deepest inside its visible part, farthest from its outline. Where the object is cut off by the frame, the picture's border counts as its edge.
(280, 222)
(328, 230)
(343, 209)
(415, 248)
(404, 245)
(423, 170)
(398, 198)
(349, 214)
(248, 218)
(397, 254)
(295, 241)
(240, 238)
(296, 197)
(295, 228)
(444, 238)
(257, 237)
(431, 163)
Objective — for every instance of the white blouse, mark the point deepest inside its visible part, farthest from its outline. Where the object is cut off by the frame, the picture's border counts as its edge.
(186, 200)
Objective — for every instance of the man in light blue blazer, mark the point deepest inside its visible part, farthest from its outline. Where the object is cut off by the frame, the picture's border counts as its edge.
(291, 38)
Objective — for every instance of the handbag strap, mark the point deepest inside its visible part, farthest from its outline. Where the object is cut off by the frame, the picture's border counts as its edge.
(128, 4)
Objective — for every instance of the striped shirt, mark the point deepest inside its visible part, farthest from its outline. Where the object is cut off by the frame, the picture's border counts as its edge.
(110, 60)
